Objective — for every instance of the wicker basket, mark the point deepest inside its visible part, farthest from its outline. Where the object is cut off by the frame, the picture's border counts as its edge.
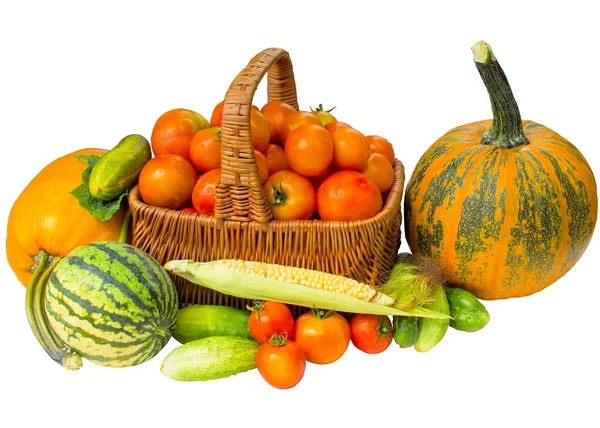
(242, 226)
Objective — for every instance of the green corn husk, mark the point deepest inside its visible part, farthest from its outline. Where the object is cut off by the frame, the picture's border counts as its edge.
(216, 276)
(412, 281)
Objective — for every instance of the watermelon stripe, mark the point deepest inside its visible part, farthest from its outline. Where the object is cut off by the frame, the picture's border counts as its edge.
(121, 320)
(126, 256)
(112, 303)
(156, 277)
(70, 312)
(107, 278)
(132, 260)
(97, 340)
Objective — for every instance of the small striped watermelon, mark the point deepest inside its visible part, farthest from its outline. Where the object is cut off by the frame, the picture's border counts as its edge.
(112, 303)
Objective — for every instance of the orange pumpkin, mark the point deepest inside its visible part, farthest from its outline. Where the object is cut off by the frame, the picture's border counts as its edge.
(47, 218)
(506, 206)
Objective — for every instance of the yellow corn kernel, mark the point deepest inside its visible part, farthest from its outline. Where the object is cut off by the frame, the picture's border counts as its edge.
(305, 277)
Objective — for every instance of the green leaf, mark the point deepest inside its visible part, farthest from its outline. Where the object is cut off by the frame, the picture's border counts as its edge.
(102, 210)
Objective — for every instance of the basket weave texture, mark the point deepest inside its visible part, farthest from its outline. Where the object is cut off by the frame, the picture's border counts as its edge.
(243, 226)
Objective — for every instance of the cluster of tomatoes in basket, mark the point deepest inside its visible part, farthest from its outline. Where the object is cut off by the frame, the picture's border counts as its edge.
(310, 165)
(319, 337)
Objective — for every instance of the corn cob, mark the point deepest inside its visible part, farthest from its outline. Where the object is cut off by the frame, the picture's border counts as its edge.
(291, 285)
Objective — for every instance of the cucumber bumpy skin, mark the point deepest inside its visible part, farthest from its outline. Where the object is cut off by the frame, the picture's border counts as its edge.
(432, 331)
(119, 168)
(210, 358)
(467, 312)
(405, 331)
(200, 321)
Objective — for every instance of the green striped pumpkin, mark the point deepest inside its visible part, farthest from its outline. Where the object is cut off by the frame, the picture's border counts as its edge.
(111, 303)
(506, 206)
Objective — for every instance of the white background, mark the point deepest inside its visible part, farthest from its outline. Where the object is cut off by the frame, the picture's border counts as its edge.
(75, 76)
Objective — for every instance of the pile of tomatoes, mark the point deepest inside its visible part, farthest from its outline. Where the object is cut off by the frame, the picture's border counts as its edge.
(310, 165)
(319, 337)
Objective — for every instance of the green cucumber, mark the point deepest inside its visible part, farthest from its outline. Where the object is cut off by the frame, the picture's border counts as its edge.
(405, 331)
(210, 358)
(467, 312)
(200, 321)
(432, 330)
(119, 168)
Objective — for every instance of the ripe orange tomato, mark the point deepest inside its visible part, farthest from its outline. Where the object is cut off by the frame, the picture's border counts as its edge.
(380, 171)
(324, 116)
(281, 363)
(174, 130)
(190, 210)
(333, 126)
(205, 149)
(277, 112)
(309, 150)
(319, 179)
(260, 129)
(263, 166)
(276, 158)
(322, 336)
(348, 195)
(203, 196)
(351, 149)
(372, 334)
(292, 197)
(217, 115)
(167, 181)
(382, 146)
(296, 119)
(269, 318)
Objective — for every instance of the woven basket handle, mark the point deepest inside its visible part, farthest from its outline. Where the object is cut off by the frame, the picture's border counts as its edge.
(239, 195)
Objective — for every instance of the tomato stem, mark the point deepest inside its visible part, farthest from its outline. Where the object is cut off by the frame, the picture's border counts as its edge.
(257, 306)
(321, 314)
(279, 194)
(382, 328)
(278, 339)
(320, 108)
(125, 227)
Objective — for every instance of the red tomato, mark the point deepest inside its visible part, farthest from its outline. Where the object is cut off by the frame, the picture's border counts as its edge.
(380, 171)
(347, 196)
(292, 197)
(296, 119)
(276, 158)
(324, 116)
(322, 336)
(167, 181)
(269, 318)
(205, 149)
(217, 115)
(333, 126)
(309, 150)
(371, 333)
(260, 129)
(203, 196)
(351, 149)
(382, 146)
(263, 166)
(174, 130)
(280, 362)
(277, 112)
(190, 210)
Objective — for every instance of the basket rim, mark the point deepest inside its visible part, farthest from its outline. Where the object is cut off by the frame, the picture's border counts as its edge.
(388, 209)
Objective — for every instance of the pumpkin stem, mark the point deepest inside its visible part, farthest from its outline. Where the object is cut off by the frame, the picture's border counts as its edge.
(507, 128)
(125, 227)
(38, 320)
